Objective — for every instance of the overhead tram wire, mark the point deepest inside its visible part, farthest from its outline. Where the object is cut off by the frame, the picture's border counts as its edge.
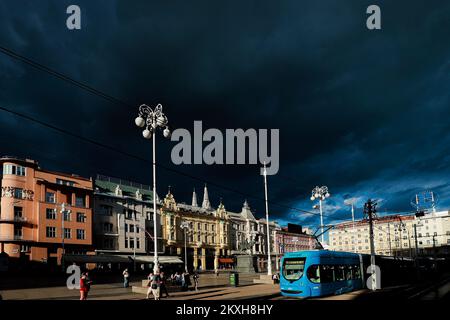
(61, 76)
(108, 147)
(112, 99)
(125, 153)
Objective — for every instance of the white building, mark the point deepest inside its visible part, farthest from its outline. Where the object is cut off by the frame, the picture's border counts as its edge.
(433, 229)
(123, 217)
(393, 235)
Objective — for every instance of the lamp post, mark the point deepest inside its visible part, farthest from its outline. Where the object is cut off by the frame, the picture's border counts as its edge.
(351, 202)
(153, 119)
(63, 216)
(135, 240)
(185, 226)
(269, 259)
(320, 193)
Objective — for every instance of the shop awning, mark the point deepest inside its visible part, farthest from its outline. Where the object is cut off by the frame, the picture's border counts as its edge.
(83, 258)
(118, 258)
(162, 259)
(226, 260)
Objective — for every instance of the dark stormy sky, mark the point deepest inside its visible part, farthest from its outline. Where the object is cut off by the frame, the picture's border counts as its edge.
(364, 112)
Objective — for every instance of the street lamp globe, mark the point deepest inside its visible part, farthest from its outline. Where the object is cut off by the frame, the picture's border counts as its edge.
(312, 198)
(139, 121)
(166, 132)
(327, 195)
(161, 121)
(147, 134)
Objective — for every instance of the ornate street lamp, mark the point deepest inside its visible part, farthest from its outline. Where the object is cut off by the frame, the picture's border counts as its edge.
(152, 120)
(320, 193)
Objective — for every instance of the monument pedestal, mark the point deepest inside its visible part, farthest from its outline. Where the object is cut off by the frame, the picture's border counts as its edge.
(246, 264)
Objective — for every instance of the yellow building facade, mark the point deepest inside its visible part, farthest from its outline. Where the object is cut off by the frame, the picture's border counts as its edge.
(205, 239)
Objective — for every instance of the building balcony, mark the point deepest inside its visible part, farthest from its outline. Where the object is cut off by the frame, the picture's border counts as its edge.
(14, 238)
(15, 219)
(110, 234)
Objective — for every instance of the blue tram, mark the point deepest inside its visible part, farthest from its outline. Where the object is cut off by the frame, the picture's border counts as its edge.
(320, 273)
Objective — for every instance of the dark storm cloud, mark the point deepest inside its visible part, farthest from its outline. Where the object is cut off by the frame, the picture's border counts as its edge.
(363, 112)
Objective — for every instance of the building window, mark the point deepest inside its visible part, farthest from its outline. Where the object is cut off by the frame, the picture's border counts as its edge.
(67, 233)
(131, 243)
(149, 216)
(108, 243)
(81, 217)
(50, 232)
(80, 201)
(131, 227)
(13, 169)
(50, 197)
(65, 182)
(81, 234)
(66, 216)
(138, 243)
(107, 227)
(18, 193)
(106, 210)
(126, 227)
(50, 214)
(17, 212)
(128, 213)
(126, 243)
(18, 232)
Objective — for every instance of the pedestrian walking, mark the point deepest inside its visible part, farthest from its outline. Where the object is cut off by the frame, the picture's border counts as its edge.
(149, 285)
(195, 277)
(163, 287)
(185, 281)
(156, 285)
(217, 272)
(84, 287)
(126, 277)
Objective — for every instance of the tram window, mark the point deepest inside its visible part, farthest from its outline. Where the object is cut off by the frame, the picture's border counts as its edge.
(293, 268)
(326, 273)
(348, 272)
(313, 274)
(356, 272)
(339, 273)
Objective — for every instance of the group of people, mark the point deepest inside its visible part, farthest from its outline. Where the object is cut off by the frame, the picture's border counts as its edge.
(157, 285)
(184, 280)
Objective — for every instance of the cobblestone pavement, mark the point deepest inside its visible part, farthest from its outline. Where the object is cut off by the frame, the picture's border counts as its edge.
(210, 288)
